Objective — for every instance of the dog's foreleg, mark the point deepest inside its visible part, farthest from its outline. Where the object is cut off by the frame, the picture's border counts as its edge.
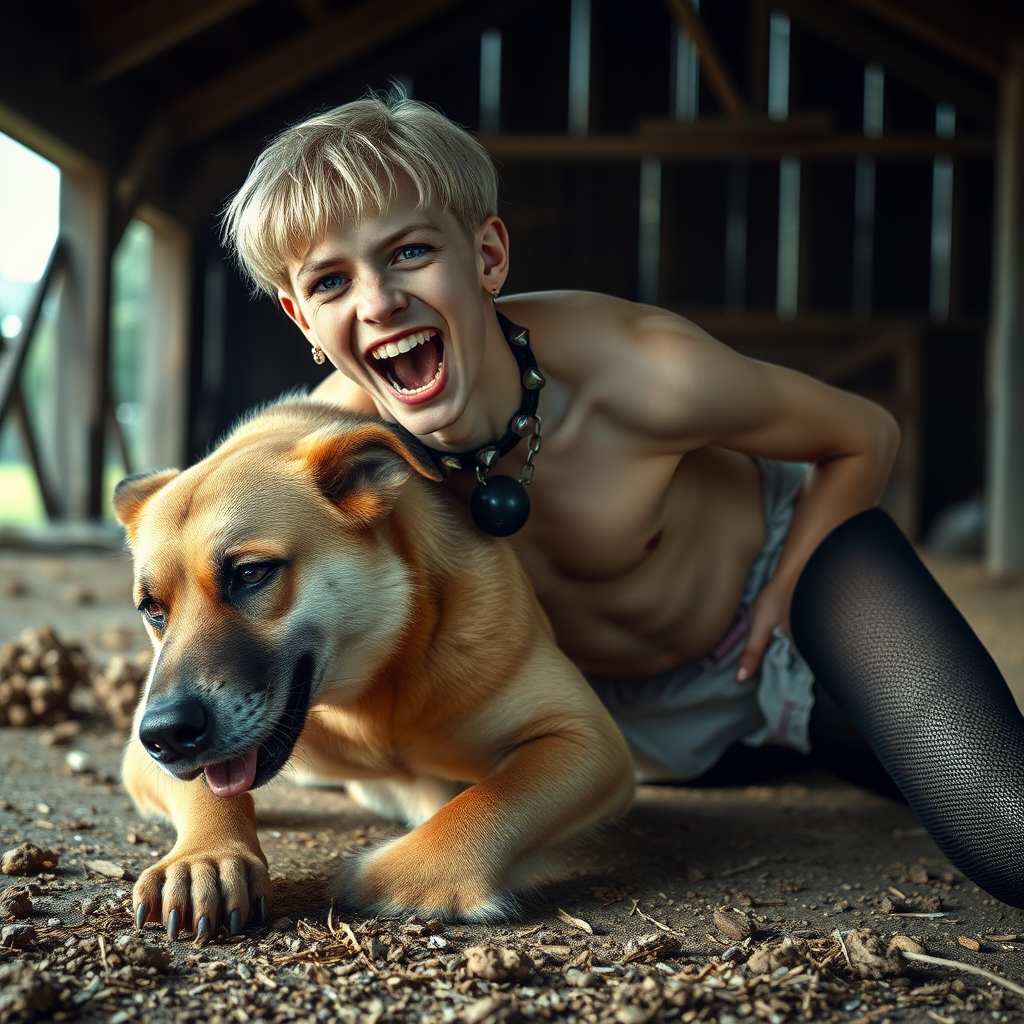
(466, 860)
(216, 872)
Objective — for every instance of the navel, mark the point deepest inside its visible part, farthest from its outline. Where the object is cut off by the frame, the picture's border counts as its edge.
(654, 541)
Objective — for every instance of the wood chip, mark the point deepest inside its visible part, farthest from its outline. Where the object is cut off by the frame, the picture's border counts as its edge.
(734, 924)
(967, 943)
(576, 922)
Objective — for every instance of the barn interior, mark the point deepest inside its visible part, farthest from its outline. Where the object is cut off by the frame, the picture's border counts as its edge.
(831, 185)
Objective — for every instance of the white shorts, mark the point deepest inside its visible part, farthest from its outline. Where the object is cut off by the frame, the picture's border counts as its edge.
(678, 723)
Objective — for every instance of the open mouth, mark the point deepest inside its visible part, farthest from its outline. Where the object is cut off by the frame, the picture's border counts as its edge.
(412, 366)
(260, 764)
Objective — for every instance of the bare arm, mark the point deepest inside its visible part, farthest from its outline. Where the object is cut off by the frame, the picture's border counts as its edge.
(703, 393)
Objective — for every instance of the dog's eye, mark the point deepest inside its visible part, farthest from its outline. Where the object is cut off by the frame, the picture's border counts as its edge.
(252, 574)
(153, 611)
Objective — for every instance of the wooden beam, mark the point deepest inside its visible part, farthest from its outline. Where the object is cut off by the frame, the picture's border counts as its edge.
(343, 38)
(1006, 366)
(716, 147)
(711, 63)
(869, 41)
(975, 33)
(143, 31)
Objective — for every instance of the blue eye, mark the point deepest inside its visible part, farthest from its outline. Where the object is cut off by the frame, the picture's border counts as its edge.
(412, 252)
(330, 283)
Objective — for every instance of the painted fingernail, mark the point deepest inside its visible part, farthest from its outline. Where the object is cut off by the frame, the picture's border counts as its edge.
(204, 931)
(261, 907)
(140, 915)
(173, 924)
(235, 923)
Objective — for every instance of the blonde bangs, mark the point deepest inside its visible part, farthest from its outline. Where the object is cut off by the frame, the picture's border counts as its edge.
(345, 165)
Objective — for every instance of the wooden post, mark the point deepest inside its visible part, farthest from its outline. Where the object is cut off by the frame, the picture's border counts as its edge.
(165, 359)
(1005, 547)
(84, 198)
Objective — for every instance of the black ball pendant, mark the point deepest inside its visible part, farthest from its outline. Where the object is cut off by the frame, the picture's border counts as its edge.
(500, 506)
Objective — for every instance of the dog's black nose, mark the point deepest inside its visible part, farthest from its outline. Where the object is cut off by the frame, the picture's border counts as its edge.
(175, 730)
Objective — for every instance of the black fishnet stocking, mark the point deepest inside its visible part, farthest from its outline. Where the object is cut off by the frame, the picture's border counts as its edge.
(890, 648)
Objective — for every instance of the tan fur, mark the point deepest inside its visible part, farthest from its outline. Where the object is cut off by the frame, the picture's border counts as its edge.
(439, 691)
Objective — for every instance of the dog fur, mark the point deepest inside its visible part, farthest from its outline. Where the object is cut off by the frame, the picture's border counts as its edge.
(310, 594)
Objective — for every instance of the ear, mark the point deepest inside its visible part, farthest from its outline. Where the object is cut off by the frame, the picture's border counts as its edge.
(492, 254)
(294, 313)
(362, 471)
(133, 492)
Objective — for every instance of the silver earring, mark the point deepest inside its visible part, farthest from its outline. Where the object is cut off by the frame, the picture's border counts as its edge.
(318, 355)
(495, 294)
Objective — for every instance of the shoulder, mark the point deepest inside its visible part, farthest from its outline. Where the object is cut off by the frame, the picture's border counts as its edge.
(653, 372)
(339, 390)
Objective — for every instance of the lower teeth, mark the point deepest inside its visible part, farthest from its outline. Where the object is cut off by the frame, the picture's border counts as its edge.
(414, 391)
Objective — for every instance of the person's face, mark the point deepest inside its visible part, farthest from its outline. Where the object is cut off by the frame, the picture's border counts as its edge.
(398, 302)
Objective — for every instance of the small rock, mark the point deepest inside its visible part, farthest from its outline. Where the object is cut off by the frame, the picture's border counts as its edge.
(15, 903)
(26, 993)
(496, 963)
(18, 936)
(917, 874)
(581, 979)
(904, 942)
(141, 954)
(78, 761)
(28, 859)
(482, 1010)
(650, 948)
(632, 1015)
(769, 958)
(870, 959)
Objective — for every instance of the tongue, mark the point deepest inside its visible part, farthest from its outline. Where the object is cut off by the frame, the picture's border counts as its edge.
(229, 778)
(416, 368)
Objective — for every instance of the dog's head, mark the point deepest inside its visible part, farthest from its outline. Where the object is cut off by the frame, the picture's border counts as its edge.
(263, 578)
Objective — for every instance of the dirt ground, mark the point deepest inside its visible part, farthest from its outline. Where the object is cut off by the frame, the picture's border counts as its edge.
(822, 874)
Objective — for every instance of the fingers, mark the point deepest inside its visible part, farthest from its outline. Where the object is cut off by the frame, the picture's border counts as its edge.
(201, 895)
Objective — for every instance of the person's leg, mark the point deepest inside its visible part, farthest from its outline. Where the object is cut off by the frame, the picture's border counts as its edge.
(889, 646)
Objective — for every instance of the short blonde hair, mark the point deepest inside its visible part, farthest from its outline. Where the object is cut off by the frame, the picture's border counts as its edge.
(345, 163)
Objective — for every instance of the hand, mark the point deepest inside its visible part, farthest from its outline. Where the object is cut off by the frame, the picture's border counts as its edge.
(770, 611)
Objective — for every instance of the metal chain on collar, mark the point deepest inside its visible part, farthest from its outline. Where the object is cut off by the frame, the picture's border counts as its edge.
(520, 424)
(532, 446)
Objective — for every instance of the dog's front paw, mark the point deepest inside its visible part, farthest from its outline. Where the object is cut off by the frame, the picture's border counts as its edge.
(199, 891)
(400, 879)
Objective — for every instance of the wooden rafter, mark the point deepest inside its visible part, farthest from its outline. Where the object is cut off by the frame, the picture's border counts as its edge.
(871, 42)
(711, 64)
(698, 146)
(146, 30)
(969, 32)
(343, 38)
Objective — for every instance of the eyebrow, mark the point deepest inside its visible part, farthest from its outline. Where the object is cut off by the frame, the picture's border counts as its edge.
(329, 261)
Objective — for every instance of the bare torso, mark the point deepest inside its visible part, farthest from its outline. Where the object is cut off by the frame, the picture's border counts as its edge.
(639, 558)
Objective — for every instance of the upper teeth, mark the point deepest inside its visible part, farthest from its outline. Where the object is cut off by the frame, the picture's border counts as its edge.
(394, 348)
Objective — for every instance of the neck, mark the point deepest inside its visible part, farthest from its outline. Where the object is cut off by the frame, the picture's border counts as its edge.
(494, 399)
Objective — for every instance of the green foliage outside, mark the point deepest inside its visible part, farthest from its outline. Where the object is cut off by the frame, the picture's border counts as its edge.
(20, 502)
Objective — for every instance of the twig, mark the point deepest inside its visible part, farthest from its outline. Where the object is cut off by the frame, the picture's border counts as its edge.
(755, 863)
(838, 935)
(970, 968)
(103, 954)
(658, 924)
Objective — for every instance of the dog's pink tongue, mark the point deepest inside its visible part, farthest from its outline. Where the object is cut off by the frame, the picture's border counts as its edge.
(229, 778)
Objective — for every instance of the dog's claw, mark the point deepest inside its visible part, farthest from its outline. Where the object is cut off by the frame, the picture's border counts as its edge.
(261, 907)
(140, 915)
(173, 924)
(203, 931)
(235, 923)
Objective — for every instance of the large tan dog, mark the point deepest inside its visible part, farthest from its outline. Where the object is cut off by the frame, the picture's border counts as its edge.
(307, 589)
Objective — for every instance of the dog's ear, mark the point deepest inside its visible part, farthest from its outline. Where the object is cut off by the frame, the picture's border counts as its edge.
(132, 493)
(362, 471)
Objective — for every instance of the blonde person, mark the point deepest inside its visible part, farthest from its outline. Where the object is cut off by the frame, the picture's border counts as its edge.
(682, 496)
